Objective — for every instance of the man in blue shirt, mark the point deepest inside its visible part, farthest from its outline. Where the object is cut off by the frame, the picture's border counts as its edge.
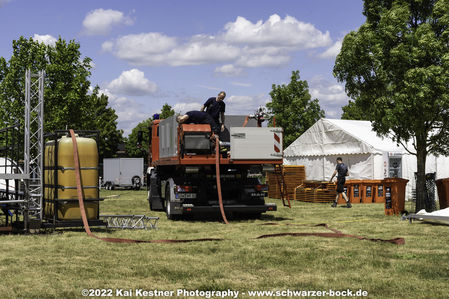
(215, 107)
(343, 172)
(198, 117)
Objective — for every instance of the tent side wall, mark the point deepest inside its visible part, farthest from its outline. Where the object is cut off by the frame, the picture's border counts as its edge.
(321, 167)
(313, 165)
(366, 154)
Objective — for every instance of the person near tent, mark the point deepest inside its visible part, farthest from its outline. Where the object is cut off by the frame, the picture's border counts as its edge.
(342, 172)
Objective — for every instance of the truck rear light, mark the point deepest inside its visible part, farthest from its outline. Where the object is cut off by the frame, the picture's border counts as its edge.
(261, 187)
(182, 188)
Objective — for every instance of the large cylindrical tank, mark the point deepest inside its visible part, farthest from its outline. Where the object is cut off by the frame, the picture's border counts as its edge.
(60, 179)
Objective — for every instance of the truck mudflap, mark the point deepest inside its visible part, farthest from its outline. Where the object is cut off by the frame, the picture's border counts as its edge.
(191, 208)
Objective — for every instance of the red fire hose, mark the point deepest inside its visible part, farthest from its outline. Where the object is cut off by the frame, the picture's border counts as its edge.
(217, 174)
(83, 211)
(336, 234)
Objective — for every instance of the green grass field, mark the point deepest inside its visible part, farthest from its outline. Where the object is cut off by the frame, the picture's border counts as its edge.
(62, 263)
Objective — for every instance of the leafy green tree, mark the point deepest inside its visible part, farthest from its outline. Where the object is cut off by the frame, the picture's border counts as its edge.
(131, 145)
(293, 108)
(354, 112)
(26, 54)
(167, 111)
(132, 148)
(68, 102)
(396, 67)
(104, 119)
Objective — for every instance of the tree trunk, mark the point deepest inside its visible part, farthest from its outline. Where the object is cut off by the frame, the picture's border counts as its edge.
(421, 192)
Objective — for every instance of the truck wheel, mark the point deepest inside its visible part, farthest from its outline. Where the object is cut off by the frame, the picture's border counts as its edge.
(136, 182)
(168, 210)
(149, 200)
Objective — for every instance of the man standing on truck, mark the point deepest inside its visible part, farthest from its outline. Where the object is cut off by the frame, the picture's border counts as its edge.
(215, 107)
(343, 172)
(198, 117)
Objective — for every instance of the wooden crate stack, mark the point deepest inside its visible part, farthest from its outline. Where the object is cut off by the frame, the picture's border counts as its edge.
(294, 175)
(274, 181)
(305, 194)
(316, 191)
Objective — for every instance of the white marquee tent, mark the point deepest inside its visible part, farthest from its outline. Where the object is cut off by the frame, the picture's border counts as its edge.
(367, 155)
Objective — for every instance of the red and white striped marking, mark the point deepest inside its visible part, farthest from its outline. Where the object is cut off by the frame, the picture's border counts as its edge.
(277, 142)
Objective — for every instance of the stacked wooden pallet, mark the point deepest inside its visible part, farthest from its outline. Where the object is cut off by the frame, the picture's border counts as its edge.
(305, 194)
(293, 175)
(274, 181)
(296, 187)
(316, 191)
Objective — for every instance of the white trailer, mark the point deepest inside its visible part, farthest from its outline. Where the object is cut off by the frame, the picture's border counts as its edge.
(122, 172)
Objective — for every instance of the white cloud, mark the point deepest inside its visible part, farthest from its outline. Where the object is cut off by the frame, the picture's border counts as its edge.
(244, 105)
(329, 94)
(133, 83)
(141, 49)
(100, 21)
(287, 32)
(332, 96)
(152, 49)
(107, 46)
(46, 39)
(332, 51)
(241, 44)
(202, 50)
(262, 60)
(129, 111)
(228, 70)
(185, 107)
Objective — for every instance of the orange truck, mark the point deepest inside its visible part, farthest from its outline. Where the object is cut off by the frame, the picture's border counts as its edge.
(182, 159)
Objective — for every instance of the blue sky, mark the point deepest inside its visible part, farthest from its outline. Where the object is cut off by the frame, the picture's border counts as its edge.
(147, 53)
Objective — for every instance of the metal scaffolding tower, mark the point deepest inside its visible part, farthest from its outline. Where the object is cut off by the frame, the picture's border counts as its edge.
(33, 144)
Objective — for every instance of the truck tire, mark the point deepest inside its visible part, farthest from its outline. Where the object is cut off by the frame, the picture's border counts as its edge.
(168, 210)
(150, 202)
(149, 199)
(155, 201)
(136, 182)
